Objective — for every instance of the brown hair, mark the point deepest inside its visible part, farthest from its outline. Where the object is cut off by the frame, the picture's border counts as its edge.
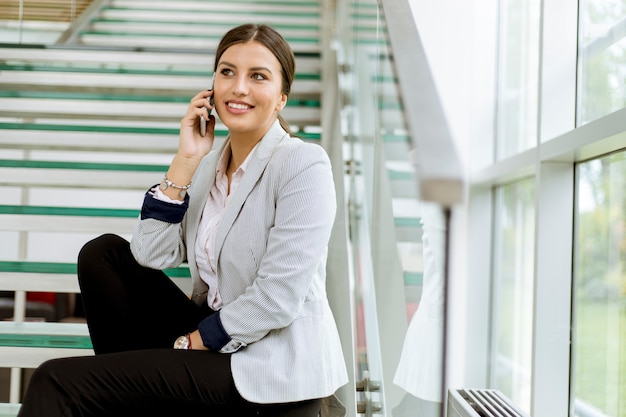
(272, 40)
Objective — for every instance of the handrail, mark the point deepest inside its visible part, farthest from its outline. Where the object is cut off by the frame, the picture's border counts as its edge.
(81, 21)
(437, 164)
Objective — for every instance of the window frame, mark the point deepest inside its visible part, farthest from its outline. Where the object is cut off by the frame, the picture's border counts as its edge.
(560, 146)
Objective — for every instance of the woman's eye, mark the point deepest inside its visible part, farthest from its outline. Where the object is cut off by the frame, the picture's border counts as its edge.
(226, 71)
(258, 77)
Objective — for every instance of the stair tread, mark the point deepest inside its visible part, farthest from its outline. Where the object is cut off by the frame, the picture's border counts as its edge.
(43, 328)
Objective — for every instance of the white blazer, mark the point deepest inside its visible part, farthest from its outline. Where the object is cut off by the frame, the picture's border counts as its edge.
(271, 248)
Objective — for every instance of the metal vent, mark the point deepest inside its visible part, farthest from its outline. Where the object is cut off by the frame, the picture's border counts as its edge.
(481, 403)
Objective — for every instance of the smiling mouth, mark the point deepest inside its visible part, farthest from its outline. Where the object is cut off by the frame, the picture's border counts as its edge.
(239, 106)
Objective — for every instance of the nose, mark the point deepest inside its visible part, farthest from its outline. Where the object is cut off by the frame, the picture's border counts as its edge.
(240, 86)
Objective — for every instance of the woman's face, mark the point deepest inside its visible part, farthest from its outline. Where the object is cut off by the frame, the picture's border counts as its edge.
(248, 89)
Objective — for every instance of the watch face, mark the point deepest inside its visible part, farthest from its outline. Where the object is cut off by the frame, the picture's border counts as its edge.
(182, 343)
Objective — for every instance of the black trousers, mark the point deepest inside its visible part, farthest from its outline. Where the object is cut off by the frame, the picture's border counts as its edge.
(134, 314)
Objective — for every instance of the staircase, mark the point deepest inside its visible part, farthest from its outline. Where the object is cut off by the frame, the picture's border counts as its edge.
(87, 126)
(89, 123)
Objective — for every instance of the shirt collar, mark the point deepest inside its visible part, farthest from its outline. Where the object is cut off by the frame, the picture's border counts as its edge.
(222, 165)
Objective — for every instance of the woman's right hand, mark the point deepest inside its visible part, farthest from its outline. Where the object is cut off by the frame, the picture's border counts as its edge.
(192, 145)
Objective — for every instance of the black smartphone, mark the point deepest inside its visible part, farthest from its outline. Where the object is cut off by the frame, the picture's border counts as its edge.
(202, 121)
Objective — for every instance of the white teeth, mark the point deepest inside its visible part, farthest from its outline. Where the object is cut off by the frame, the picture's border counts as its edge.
(238, 106)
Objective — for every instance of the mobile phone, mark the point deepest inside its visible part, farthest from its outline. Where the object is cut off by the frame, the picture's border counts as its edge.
(202, 121)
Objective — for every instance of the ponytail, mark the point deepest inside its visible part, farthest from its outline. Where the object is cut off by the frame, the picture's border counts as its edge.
(285, 125)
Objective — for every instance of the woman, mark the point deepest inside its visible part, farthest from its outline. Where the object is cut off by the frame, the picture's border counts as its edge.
(252, 219)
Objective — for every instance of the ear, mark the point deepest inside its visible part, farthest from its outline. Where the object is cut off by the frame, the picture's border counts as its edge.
(282, 103)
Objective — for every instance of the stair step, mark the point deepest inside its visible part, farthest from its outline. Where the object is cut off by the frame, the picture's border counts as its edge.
(406, 211)
(213, 31)
(45, 335)
(141, 137)
(32, 357)
(41, 174)
(60, 277)
(126, 108)
(9, 410)
(129, 60)
(267, 6)
(157, 40)
(231, 16)
(73, 79)
(24, 218)
(198, 25)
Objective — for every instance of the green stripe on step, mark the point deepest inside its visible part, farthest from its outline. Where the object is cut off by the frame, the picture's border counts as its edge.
(407, 222)
(271, 13)
(413, 278)
(121, 129)
(264, 2)
(97, 166)
(38, 267)
(45, 341)
(69, 211)
(88, 128)
(396, 138)
(290, 40)
(225, 25)
(69, 268)
(58, 95)
(398, 175)
(38, 67)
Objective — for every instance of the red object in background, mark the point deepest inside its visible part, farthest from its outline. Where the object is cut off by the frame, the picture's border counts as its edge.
(46, 297)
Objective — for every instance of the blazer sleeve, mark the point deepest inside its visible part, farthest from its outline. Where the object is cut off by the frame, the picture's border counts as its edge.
(305, 206)
(157, 241)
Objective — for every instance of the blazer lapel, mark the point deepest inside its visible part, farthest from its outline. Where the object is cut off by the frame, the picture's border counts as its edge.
(202, 185)
(200, 191)
(256, 166)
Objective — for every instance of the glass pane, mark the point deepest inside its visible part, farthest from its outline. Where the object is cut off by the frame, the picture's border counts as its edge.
(513, 297)
(600, 287)
(519, 76)
(397, 241)
(602, 52)
(361, 52)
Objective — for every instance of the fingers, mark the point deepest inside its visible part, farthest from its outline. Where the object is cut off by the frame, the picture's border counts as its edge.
(199, 106)
(203, 94)
(203, 99)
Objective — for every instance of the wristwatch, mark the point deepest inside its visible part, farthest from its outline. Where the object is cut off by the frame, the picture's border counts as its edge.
(182, 342)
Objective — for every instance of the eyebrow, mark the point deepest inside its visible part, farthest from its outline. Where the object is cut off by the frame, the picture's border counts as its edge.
(228, 64)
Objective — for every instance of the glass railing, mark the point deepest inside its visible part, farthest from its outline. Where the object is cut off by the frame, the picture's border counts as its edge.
(401, 178)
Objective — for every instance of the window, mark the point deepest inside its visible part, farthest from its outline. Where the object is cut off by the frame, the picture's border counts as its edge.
(518, 76)
(599, 349)
(513, 284)
(602, 52)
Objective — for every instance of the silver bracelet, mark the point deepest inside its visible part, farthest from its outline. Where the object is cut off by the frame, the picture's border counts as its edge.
(167, 183)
